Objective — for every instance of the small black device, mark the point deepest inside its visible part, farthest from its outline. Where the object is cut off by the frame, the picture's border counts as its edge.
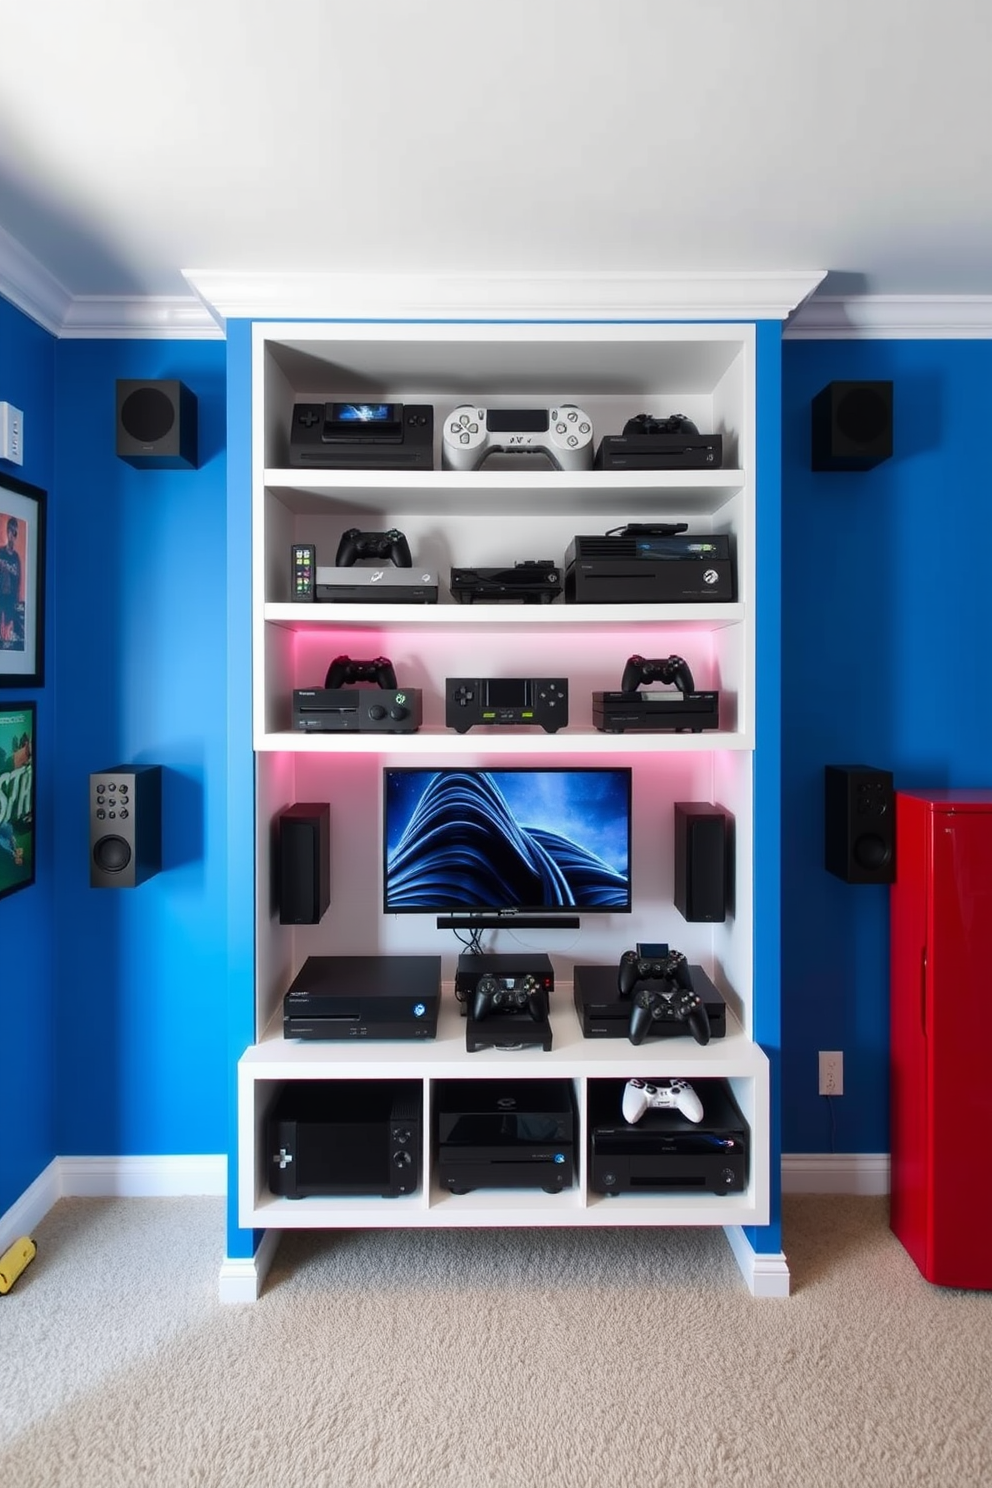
(665, 1151)
(474, 701)
(851, 426)
(505, 1134)
(356, 436)
(303, 862)
(509, 967)
(125, 826)
(702, 861)
(302, 572)
(345, 1137)
(859, 811)
(379, 546)
(649, 567)
(650, 443)
(156, 424)
(534, 581)
(604, 1013)
(364, 997)
(684, 712)
(357, 710)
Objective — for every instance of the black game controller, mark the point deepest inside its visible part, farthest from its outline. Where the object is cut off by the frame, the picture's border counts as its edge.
(357, 544)
(343, 670)
(491, 996)
(635, 968)
(662, 669)
(646, 423)
(668, 1003)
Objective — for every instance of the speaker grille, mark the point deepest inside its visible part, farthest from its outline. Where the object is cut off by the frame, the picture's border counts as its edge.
(147, 414)
(862, 415)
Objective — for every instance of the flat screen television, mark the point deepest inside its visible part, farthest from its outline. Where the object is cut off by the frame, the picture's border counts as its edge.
(499, 843)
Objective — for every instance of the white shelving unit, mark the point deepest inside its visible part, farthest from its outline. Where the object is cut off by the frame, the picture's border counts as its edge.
(498, 516)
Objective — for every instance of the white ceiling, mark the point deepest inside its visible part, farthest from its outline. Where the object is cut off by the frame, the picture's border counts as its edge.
(140, 142)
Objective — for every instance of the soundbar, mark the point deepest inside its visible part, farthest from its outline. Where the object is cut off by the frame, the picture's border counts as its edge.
(507, 920)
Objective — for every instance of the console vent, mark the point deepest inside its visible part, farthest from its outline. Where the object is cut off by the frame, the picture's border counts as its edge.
(606, 547)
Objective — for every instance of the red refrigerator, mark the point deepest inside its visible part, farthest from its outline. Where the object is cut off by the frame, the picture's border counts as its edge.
(940, 1014)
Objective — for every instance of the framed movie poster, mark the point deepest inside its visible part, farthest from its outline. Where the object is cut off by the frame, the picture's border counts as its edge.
(22, 584)
(17, 833)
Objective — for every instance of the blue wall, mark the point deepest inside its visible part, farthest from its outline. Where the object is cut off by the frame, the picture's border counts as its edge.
(27, 1012)
(887, 661)
(140, 674)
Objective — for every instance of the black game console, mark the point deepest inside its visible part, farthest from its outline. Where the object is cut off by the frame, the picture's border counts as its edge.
(364, 997)
(362, 436)
(604, 1013)
(649, 567)
(357, 710)
(535, 581)
(345, 1137)
(649, 443)
(383, 585)
(685, 712)
(473, 701)
(665, 1152)
(505, 1134)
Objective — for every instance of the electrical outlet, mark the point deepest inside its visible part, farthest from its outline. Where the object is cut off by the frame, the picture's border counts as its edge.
(831, 1072)
(11, 434)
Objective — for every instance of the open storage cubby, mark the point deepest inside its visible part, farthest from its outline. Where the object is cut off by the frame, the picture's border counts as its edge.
(503, 513)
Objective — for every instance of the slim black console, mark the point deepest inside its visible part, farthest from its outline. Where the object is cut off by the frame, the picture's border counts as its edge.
(605, 1013)
(505, 1134)
(666, 1151)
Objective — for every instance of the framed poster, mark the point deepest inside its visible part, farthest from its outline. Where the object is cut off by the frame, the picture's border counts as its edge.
(17, 832)
(22, 583)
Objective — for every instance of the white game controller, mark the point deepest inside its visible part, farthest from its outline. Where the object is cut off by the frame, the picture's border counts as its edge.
(470, 434)
(660, 1095)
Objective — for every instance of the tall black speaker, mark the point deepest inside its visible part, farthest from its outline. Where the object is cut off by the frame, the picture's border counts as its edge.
(303, 862)
(156, 425)
(125, 826)
(852, 425)
(859, 824)
(702, 861)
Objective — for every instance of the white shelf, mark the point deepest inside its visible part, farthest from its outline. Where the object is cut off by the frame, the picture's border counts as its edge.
(571, 1056)
(512, 492)
(441, 743)
(496, 617)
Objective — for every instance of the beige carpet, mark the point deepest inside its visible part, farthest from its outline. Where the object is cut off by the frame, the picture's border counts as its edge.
(477, 1359)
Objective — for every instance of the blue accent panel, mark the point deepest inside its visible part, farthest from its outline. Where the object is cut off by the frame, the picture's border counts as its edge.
(140, 677)
(27, 979)
(886, 662)
(240, 761)
(767, 760)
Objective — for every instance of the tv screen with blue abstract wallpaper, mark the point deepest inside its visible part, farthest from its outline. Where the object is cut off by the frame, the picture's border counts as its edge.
(521, 839)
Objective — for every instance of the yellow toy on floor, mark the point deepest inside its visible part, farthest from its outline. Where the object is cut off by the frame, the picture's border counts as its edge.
(14, 1260)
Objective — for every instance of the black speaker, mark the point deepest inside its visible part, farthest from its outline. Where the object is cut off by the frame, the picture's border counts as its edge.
(303, 862)
(125, 826)
(702, 860)
(852, 425)
(156, 425)
(859, 824)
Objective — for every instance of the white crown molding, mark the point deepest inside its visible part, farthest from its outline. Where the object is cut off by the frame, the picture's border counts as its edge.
(892, 318)
(29, 286)
(144, 317)
(511, 296)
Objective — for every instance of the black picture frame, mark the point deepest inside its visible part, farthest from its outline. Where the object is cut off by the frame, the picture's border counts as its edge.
(18, 836)
(22, 583)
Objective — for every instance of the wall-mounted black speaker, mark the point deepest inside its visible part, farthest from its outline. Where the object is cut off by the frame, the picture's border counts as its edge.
(156, 425)
(125, 826)
(303, 862)
(852, 425)
(702, 860)
(859, 824)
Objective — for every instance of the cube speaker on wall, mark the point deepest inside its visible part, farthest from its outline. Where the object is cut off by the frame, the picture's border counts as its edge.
(156, 425)
(125, 826)
(303, 862)
(852, 425)
(702, 860)
(859, 824)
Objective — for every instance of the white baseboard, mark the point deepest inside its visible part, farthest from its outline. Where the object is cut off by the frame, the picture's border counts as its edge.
(767, 1275)
(865, 1173)
(30, 1209)
(241, 1281)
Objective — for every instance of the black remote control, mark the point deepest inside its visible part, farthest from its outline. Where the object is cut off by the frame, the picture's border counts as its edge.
(303, 571)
